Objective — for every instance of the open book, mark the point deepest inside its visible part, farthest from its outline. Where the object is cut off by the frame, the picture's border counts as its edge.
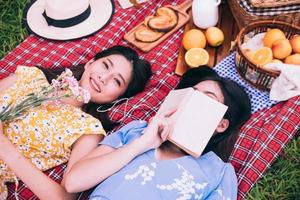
(195, 120)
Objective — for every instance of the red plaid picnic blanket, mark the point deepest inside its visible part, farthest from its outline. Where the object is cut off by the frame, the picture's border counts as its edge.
(262, 138)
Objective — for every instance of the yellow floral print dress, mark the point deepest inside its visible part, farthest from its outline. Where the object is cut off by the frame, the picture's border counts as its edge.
(44, 134)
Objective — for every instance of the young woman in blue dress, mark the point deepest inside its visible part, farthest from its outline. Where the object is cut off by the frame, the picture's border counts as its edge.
(136, 162)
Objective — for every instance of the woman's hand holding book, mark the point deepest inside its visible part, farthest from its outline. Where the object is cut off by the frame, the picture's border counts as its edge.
(157, 131)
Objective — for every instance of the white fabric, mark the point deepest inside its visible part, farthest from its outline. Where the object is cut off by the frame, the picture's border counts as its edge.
(101, 11)
(287, 84)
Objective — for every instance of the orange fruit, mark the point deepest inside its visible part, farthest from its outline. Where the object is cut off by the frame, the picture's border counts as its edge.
(193, 38)
(271, 36)
(214, 36)
(262, 56)
(281, 48)
(295, 43)
(196, 57)
(293, 59)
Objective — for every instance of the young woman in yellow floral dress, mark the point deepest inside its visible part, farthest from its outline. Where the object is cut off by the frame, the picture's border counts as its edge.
(49, 135)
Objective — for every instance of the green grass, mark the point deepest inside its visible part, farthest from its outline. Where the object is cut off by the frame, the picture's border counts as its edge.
(11, 30)
(282, 182)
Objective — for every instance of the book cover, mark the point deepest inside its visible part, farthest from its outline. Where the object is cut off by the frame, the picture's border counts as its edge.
(195, 120)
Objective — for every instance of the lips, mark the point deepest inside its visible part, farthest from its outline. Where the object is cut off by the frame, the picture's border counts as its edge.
(94, 85)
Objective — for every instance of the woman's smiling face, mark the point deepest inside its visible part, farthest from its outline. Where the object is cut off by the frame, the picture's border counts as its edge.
(107, 78)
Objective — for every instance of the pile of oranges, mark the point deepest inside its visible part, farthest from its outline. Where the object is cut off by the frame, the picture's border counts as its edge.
(276, 48)
(194, 41)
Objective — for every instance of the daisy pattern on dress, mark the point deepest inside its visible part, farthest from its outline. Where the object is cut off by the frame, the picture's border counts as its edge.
(144, 171)
(185, 185)
(220, 192)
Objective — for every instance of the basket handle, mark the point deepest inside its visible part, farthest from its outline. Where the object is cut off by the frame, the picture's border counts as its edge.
(291, 19)
(233, 45)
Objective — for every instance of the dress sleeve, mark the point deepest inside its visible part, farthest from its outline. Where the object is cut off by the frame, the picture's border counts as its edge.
(125, 135)
(76, 123)
(227, 187)
(30, 79)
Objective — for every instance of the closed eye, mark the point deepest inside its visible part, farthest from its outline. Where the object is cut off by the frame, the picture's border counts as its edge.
(106, 65)
(212, 95)
(117, 81)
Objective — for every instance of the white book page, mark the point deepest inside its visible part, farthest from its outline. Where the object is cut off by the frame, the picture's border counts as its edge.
(197, 123)
(174, 99)
(126, 3)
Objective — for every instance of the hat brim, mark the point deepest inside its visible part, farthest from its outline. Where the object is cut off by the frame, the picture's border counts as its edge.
(101, 14)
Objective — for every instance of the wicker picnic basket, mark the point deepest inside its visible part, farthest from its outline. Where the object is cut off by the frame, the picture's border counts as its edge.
(257, 76)
(243, 18)
(272, 3)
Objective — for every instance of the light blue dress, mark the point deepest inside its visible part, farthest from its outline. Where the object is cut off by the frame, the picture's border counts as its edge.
(146, 178)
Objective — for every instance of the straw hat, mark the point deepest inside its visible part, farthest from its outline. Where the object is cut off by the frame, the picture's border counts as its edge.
(68, 19)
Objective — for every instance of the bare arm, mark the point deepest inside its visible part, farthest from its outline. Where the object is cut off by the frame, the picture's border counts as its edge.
(31, 175)
(81, 148)
(7, 82)
(28, 173)
(105, 161)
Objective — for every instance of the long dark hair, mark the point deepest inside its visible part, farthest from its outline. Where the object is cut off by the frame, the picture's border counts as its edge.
(238, 112)
(140, 76)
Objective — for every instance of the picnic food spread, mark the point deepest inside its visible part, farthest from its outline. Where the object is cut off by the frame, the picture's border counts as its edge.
(295, 42)
(193, 38)
(198, 38)
(144, 34)
(196, 57)
(164, 20)
(155, 26)
(272, 46)
(194, 42)
(214, 36)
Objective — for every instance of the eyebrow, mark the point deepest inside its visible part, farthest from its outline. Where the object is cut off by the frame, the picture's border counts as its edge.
(112, 64)
(207, 92)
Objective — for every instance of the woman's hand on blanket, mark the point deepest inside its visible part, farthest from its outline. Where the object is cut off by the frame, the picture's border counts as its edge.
(158, 130)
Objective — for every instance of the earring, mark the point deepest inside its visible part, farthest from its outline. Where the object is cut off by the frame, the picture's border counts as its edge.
(114, 103)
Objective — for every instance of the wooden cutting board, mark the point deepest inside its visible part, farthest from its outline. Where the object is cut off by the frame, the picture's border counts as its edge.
(183, 18)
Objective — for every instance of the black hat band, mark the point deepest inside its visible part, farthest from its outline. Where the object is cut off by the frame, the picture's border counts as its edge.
(68, 22)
